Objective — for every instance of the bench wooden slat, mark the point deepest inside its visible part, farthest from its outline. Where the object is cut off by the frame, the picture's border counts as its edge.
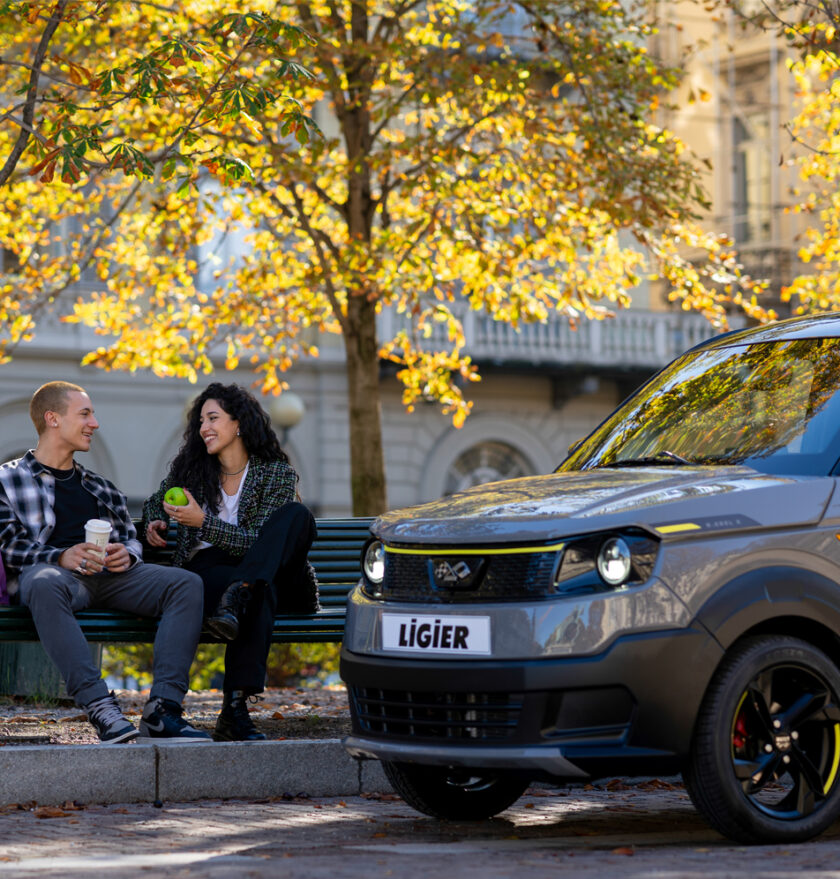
(335, 555)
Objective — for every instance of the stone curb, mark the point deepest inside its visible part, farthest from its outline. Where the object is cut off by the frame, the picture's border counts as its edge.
(134, 773)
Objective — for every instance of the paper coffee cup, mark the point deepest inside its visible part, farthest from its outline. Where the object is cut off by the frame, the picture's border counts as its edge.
(97, 531)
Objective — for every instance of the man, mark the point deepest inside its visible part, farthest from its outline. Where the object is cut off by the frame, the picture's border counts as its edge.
(45, 500)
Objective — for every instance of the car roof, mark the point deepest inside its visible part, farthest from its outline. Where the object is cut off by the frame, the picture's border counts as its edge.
(815, 326)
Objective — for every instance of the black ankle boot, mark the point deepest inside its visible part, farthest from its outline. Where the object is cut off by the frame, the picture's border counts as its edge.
(234, 724)
(225, 621)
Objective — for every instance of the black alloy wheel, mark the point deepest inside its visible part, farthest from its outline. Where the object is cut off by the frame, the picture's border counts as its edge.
(766, 750)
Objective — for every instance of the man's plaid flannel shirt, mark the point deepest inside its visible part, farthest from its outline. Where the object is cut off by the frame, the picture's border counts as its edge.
(27, 517)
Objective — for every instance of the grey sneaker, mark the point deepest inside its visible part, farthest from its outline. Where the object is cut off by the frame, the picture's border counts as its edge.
(162, 722)
(105, 716)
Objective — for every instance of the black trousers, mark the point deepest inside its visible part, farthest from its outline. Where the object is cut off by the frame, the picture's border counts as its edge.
(276, 565)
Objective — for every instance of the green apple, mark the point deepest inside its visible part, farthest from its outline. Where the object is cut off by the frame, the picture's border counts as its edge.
(176, 497)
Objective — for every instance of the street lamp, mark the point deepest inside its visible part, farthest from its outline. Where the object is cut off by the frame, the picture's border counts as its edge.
(286, 411)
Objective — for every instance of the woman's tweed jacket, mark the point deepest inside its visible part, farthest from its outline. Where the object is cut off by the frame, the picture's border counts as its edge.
(268, 485)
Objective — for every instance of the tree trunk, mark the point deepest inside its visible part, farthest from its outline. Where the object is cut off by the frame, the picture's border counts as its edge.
(367, 460)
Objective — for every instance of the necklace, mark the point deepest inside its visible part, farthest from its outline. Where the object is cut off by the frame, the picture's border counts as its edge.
(53, 471)
(235, 472)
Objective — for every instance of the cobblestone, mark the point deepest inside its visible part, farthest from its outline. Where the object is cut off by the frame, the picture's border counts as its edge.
(627, 831)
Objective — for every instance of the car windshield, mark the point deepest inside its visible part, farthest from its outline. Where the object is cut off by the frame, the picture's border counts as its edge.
(773, 406)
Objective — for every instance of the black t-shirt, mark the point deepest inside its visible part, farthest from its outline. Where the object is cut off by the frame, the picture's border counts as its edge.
(73, 507)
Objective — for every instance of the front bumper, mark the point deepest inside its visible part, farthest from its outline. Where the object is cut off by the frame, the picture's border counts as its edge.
(629, 710)
(537, 760)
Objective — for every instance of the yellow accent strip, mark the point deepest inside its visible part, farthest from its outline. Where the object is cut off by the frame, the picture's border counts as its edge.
(673, 529)
(516, 550)
(833, 774)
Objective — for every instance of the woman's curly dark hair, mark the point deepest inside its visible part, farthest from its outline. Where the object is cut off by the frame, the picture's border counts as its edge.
(194, 468)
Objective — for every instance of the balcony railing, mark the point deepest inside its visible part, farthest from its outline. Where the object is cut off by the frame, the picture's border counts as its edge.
(632, 338)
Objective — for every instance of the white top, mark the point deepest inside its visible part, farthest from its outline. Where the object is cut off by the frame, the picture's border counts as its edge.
(230, 502)
(229, 511)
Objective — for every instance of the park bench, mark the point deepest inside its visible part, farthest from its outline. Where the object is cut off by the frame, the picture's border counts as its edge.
(335, 555)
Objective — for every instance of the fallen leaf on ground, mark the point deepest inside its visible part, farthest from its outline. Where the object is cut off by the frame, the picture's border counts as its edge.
(50, 812)
(624, 850)
(658, 784)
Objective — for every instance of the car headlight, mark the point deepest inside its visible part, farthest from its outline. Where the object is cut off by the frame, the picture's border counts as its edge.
(596, 562)
(373, 562)
(614, 562)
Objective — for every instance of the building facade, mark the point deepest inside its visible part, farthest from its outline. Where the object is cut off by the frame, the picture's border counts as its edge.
(542, 389)
(732, 110)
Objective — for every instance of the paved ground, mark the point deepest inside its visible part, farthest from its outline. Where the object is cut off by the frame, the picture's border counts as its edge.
(283, 713)
(629, 832)
(617, 829)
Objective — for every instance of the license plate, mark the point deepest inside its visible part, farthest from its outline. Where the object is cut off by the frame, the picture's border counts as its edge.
(451, 635)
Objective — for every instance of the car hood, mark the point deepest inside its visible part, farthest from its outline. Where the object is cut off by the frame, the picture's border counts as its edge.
(670, 501)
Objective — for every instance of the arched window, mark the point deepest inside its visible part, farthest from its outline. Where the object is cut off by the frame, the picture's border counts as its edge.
(486, 462)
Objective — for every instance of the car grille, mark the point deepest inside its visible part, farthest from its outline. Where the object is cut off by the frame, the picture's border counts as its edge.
(482, 716)
(492, 578)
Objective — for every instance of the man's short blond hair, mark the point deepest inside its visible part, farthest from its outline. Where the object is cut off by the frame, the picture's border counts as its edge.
(51, 397)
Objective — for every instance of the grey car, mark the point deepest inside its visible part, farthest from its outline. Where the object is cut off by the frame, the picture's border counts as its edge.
(667, 600)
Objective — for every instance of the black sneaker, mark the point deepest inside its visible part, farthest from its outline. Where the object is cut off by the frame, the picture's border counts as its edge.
(162, 722)
(105, 716)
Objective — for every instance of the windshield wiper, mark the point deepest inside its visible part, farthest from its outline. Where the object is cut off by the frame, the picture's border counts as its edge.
(663, 457)
(726, 460)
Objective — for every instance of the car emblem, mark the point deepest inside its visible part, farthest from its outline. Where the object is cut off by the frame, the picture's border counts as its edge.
(455, 574)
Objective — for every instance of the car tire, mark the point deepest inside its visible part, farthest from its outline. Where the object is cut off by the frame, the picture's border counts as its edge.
(765, 754)
(454, 794)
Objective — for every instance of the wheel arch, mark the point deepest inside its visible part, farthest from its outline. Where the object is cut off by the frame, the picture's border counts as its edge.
(811, 631)
(777, 600)
(781, 600)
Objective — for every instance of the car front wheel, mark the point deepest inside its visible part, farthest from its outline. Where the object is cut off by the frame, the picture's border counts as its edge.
(454, 794)
(766, 749)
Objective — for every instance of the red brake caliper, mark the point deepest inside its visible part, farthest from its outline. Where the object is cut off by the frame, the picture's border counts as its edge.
(739, 734)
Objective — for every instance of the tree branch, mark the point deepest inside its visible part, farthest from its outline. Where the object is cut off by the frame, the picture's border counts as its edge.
(50, 295)
(321, 243)
(32, 92)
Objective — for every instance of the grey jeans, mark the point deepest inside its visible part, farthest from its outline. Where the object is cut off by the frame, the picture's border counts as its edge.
(54, 594)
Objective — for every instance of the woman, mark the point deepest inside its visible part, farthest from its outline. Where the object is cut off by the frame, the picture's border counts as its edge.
(243, 531)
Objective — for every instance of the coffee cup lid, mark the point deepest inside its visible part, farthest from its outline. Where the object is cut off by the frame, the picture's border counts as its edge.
(97, 524)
